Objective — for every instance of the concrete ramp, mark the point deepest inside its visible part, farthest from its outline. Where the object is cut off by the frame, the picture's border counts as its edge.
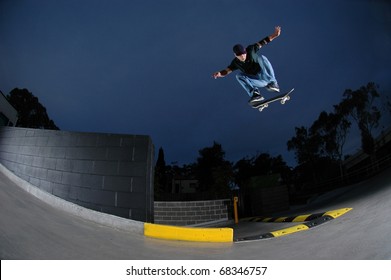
(33, 229)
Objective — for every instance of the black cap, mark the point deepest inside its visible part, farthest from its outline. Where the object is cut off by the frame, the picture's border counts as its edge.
(239, 49)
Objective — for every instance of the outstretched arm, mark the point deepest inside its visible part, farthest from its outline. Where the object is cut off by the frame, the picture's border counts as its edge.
(221, 73)
(268, 39)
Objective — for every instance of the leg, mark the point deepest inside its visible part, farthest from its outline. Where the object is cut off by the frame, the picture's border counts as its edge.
(249, 84)
(267, 72)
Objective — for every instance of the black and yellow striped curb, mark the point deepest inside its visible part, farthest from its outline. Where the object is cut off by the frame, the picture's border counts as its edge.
(311, 220)
(300, 218)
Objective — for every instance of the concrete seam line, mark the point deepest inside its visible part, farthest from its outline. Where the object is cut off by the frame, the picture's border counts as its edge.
(188, 234)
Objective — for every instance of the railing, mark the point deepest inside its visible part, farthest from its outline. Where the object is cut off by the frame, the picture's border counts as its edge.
(373, 167)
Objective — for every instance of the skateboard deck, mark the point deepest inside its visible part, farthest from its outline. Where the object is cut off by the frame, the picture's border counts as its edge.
(261, 105)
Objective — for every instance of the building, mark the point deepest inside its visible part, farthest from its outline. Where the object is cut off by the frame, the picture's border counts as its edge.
(184, 185)
(8, 114)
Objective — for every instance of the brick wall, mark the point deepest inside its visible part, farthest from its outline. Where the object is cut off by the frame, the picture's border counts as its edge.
(111, 173)
(190, 212)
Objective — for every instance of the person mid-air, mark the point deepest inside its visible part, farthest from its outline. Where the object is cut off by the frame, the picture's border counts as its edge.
(255, 70)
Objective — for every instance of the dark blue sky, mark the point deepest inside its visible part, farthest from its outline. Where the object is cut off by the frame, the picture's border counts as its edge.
(144, 67)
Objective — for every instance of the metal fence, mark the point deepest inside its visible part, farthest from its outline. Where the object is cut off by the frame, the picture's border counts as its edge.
(367, 168)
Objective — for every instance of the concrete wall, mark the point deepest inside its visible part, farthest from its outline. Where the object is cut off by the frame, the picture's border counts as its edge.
(182, 213)
(110, 173)
(8, 114)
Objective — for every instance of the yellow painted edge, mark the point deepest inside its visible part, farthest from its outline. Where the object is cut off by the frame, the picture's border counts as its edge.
(301, 218)
(289, 230)
(188, 234)
(281, 219)
(337, 213)
(301, 227)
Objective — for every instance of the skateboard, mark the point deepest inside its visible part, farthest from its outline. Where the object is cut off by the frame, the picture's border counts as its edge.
(265, 103)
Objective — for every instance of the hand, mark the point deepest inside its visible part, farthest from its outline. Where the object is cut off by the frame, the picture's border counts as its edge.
(217, 75)
(277, 31)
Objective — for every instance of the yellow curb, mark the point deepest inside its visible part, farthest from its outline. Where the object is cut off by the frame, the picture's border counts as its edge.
(333, 213)
(188, 234)
(289, 230)
(301, 218)
(337, 213)
(279, 220)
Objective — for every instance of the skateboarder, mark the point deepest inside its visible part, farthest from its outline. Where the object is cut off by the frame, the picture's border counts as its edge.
(255, 70)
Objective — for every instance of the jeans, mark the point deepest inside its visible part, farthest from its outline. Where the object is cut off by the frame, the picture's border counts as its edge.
(265, 77)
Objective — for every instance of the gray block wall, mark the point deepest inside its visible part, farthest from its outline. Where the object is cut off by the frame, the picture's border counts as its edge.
(181, 213)
(111, 173)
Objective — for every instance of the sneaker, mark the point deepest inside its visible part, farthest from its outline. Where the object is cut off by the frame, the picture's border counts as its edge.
(273, 86)
(256, 96)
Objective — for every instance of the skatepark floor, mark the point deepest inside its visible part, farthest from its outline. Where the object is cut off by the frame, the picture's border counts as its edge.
(30, 229)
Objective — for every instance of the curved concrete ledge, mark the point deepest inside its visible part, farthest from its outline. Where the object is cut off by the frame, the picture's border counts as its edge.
(173, 232)
(188, 234)
(69, 207)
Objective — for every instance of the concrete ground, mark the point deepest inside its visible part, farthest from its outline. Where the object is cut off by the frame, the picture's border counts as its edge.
(33, 229)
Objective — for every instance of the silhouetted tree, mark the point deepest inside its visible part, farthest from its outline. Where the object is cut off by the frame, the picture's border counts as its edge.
(244, 170)
(305, 145)
(214, 173)
(308, 149)
(332, 129)
(262, 164)
(319, 148)
(160, 174)
(31, 113)
(360, 105)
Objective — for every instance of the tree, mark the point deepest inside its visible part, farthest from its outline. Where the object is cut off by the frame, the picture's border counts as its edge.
(244, 170)
(308, 145)
(160, 174)
(360, 105)
(305, 145)
(332, 130)
(213, 171)
(31, 113)
(388, 105)
(261, 164)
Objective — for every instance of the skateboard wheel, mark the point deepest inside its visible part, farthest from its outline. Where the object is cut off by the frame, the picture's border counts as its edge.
(263, 107)
(282, 102)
